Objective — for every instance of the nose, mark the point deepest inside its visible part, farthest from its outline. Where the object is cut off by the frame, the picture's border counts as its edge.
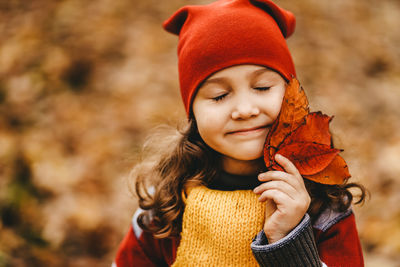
(245, 109)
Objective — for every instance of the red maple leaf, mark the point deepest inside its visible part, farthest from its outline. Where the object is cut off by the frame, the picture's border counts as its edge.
(304, 138)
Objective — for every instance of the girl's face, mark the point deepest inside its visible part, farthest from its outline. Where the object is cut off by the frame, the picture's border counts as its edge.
(234, 110)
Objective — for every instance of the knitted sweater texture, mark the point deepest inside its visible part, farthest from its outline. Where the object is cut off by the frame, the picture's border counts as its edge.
(218, 227)
(330, 240)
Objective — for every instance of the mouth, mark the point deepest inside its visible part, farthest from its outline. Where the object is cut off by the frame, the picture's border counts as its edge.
(252, 130)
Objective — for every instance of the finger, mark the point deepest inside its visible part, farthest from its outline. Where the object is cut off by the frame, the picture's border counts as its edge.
(275, 195)
(280, 175)
(277, 185)
(273, 175)
(286, 164)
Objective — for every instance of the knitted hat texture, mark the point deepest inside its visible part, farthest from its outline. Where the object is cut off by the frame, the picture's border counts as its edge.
(226, 33)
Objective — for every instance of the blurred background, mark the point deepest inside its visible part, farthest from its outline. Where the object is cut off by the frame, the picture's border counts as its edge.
(83, 82)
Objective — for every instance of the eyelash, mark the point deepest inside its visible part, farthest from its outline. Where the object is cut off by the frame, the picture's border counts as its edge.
(262, 88)
(220, 97)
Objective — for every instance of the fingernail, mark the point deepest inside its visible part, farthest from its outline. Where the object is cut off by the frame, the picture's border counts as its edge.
(260, 177)
(255, 190)
(278, 156)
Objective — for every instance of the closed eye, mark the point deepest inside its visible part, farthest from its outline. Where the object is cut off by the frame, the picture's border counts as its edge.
(262, 88)
(220, 97)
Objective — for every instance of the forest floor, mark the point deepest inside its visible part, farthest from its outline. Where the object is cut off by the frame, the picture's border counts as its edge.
(82, 83)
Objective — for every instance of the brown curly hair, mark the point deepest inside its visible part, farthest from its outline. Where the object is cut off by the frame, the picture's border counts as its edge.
(179, 160)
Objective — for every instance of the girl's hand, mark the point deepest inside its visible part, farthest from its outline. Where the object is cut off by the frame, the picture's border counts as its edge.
(288, 192)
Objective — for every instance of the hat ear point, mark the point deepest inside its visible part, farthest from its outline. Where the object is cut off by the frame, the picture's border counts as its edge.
(290, 24)
(175, 23)
(285, 19)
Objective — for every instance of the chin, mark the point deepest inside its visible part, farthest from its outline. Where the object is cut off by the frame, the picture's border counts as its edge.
(249, 158)
(250, 155)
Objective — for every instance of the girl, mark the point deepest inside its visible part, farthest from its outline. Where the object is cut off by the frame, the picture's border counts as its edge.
(205, 196)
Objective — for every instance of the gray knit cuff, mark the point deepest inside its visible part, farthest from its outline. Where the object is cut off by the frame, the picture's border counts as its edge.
(298, 248)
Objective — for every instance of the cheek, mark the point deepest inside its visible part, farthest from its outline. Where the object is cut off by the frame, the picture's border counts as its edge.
(276, 111)
(208, 125)
(206, 115)
(274, 104)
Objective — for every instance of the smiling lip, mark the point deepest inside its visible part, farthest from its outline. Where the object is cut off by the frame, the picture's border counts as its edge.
(249, 130)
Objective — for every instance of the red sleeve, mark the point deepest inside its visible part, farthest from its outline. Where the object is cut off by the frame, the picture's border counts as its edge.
(141, 249)
(339, 245)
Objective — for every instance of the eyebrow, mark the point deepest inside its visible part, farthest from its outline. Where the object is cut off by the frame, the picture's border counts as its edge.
(213, 80)
(259, 72)
(222, 79)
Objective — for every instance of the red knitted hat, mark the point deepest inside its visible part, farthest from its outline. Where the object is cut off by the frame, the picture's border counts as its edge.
(226, 33)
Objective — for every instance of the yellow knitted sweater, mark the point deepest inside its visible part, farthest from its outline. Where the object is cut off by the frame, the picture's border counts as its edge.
(218, 227)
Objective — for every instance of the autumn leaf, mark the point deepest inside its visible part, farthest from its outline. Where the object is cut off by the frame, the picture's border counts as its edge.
(293, 111)
(308, 157)
(304, 138)
(315, 129)
(336, 172)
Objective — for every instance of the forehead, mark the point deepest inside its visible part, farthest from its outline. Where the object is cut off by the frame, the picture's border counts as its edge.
(240, 72)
